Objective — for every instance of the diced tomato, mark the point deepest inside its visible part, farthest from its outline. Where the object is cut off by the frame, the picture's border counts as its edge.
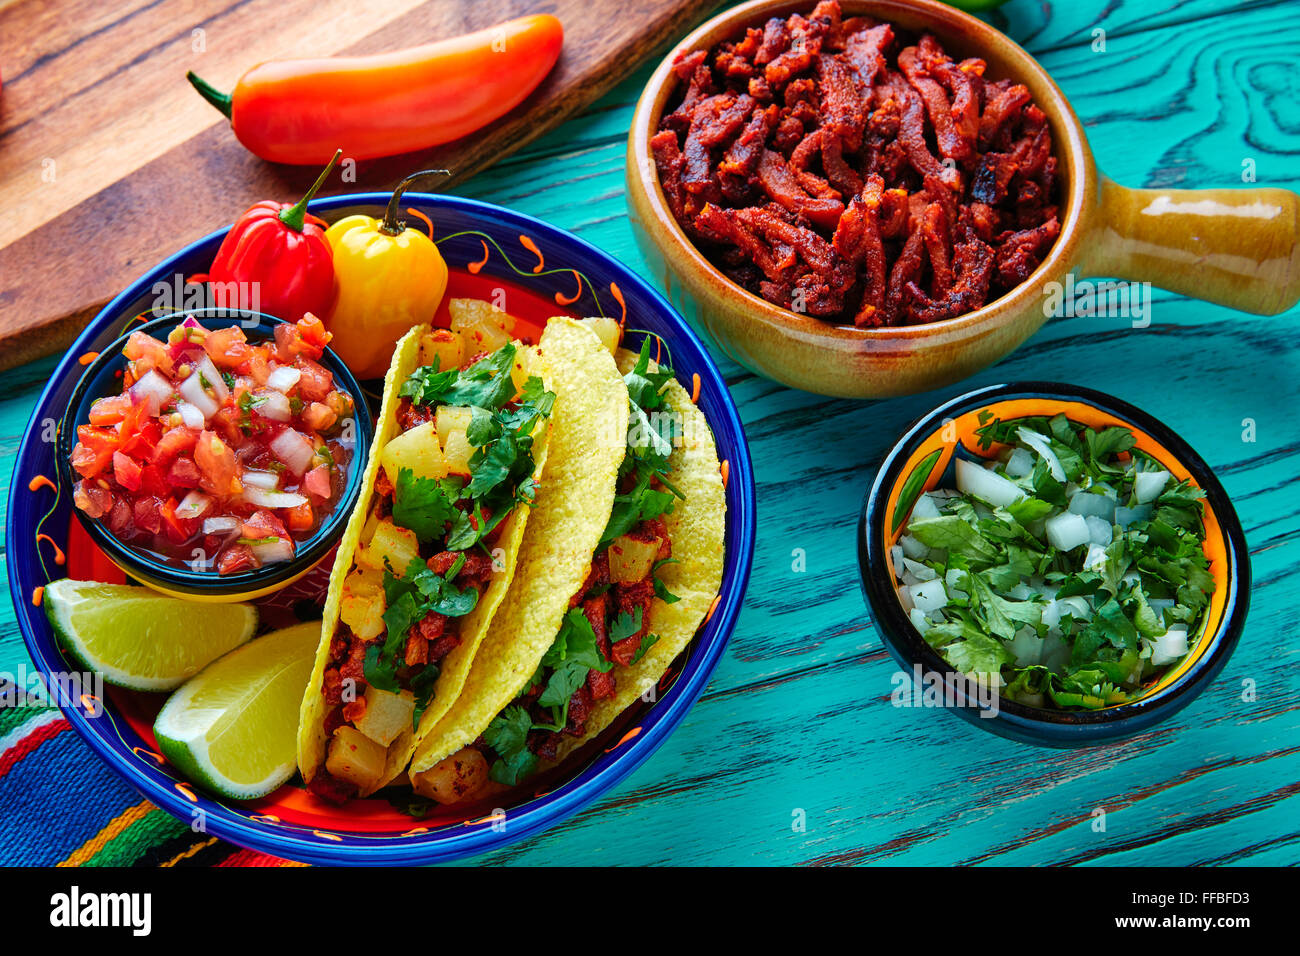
(141, 445)
(317, 482)
(314, 333)
(148, 513)
(263, 524)
(301, 518)
(126, 471)
(119, 518)
(257, 367)
(147, 352)
(319, 417)
(236, 558)
(110, 410)
(178, 530)
(172, 443)
(226, 424)
(216, 462)
(228, 348)
(316, 382)
(92, 499)
(94, 449)
(154, 482)
(183, 473)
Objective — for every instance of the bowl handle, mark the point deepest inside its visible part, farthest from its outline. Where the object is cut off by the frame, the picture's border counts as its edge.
(1236, 247)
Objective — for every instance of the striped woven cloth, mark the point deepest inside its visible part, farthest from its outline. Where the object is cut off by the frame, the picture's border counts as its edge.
(60, 806)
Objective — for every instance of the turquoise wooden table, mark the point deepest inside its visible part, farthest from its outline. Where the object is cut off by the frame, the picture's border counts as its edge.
(795, 754)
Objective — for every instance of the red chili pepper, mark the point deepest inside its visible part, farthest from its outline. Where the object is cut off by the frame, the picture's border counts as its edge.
(279, 255)
(297, 111)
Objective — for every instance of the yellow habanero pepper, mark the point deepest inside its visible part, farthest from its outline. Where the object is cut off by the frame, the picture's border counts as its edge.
(389, 278)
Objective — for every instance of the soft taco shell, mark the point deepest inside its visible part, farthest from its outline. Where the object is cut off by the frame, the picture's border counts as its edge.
(587, 441)
(312, 741)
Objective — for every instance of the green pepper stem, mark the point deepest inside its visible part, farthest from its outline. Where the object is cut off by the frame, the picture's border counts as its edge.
(296, 215)
(392, 225)
(221, 101)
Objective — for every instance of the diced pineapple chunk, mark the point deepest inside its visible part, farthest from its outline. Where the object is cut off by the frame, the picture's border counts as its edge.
(418, 450)
(390, 546)
(483, 326)
(452, 422)
(362, 606)
(386, 716)
(442, 347)
(606, 330)
(356, 758)
(630, 560)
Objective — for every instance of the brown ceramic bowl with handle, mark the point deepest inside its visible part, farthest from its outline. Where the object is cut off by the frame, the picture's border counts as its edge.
(1236, 247)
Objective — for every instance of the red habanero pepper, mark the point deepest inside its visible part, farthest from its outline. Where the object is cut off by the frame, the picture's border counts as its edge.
(280, 251)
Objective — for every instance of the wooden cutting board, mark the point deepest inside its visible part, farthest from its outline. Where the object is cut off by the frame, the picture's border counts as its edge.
(109, 161)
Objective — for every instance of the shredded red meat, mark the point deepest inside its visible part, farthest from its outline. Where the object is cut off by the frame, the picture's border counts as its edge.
(837, 168)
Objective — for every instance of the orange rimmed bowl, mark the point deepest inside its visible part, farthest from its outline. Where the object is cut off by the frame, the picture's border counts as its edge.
(1236, 247)
(923, 459)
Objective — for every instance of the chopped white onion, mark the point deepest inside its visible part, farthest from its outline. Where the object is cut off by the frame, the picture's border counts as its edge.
(213, 377)
(986, 485)
(1084, 503)
(221, 525)
(1027, 646)
(1099, 530)
(1148, 485)
(153, 390)
(272, 405)
(262, 498)
(930, 596)
(1020, 592)
(925, 507)
(190, 416)
(281, 549)
(922, 572)
(1065, 532)
(1170, 646)
(896, 555)
(918, 619)
(1041, 445)
(905, 597)
(192, 391)
(267, 480)
(193, 505)
(1095, 559)
(913, 548)
(1126, 516)
(294, 449)
(1020, 464)
(283, 378)
(1077, 607)
(1052, 614)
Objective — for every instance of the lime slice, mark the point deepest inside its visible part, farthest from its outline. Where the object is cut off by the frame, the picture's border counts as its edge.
(233, 728)
(141, 639)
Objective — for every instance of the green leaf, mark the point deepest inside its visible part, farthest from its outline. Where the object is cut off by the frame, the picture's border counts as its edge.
(954, 535)
(423, 505)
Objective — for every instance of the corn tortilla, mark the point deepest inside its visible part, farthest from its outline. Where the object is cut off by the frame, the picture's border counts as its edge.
(312, 740)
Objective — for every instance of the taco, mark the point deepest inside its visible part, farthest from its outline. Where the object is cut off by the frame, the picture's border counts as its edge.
(427, 557)
(609, 592)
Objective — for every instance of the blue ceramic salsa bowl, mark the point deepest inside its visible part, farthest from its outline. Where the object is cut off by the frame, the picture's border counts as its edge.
(102, 377)
(481, 243)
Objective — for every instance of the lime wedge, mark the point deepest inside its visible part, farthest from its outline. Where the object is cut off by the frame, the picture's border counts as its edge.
(233, 728)
(141, 639)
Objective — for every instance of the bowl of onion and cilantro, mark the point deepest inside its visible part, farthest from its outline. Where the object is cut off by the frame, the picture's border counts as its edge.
(215, 455)
(1055, 564)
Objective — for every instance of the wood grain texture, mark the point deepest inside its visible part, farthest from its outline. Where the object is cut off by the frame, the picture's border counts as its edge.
(797, 716)
(105, 149)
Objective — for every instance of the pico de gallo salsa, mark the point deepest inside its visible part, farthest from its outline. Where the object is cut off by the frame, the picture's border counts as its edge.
(219, 453)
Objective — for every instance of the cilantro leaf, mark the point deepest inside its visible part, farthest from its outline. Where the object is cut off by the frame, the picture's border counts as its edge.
(423, 505)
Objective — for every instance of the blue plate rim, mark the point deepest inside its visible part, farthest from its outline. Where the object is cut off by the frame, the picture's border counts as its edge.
(596, 778)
